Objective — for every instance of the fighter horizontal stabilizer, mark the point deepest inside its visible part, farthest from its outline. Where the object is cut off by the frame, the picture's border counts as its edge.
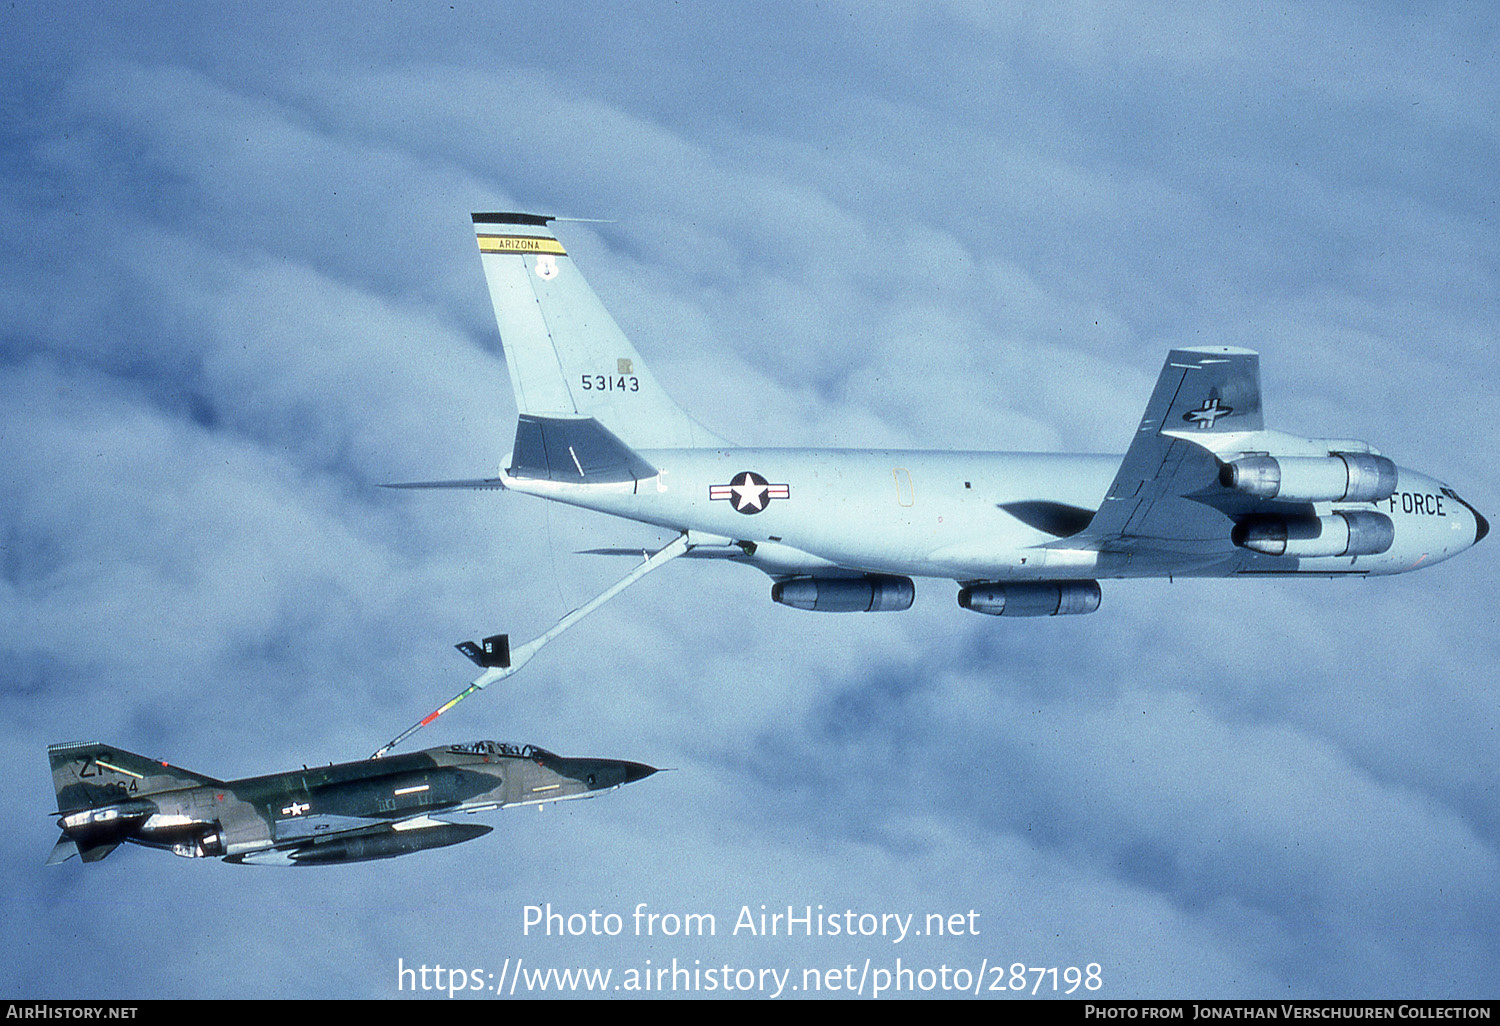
(493, 652)
(62, 851)
(96, 852)
(89, 851)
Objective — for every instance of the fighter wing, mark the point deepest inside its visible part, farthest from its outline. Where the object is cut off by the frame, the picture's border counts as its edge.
(1206, 399)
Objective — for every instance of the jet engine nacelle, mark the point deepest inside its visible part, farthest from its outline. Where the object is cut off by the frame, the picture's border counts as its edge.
(1339, 477)
(182, 835)
(141, 820)
(1031, 598)
(1345, 533)
(108, 824)
(873, 593)
(208, 844)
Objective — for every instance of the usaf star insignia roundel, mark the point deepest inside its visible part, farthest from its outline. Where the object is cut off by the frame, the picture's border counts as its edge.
(749, 492)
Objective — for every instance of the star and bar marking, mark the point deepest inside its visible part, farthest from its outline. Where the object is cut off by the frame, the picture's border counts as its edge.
(748, 492)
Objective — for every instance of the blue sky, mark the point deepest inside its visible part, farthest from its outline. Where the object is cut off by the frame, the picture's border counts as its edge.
(238, 290)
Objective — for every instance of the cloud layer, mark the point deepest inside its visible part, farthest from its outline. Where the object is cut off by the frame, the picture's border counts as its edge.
(238, 291)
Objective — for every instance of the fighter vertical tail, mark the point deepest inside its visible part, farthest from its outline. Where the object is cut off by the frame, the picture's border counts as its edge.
(87, 773)
(101, 795)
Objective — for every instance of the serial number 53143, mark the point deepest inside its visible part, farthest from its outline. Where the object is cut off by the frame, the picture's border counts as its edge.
(605, 383)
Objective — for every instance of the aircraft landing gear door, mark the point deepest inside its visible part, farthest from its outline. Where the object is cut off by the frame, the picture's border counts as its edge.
(903, 486)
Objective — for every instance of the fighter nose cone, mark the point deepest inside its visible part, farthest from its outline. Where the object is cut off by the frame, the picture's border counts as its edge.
(637, 771)
(1481, 526)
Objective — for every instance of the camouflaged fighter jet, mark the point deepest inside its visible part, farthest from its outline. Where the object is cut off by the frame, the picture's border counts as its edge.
(1204, 489)
(351, 812)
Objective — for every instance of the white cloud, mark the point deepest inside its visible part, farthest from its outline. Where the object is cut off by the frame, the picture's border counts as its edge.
(233, 299)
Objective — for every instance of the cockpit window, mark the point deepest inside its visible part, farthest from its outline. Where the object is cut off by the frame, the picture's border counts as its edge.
(503, 748)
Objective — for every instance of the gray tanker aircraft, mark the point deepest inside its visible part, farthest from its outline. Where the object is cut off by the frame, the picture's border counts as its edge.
(1204, 489)
(352, 812)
